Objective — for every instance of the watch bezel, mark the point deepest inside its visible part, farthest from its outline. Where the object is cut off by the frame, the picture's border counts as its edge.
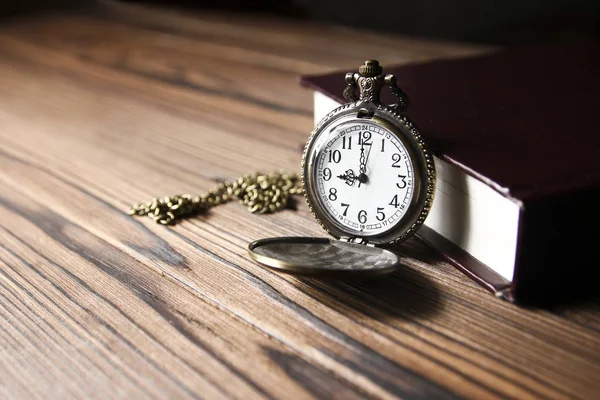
(424, 171)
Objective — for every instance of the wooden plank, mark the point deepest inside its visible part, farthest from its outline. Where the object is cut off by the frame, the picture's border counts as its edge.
(99, 111)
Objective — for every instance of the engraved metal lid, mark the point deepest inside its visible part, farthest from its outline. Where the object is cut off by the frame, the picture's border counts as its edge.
(322, 257)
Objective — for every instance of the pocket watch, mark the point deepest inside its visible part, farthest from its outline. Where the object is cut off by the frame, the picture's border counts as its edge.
(368, 179)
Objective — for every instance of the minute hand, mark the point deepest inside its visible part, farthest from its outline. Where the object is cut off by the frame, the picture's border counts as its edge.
(362, 177)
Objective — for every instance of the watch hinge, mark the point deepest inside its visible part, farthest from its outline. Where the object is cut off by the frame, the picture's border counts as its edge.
(356, 240)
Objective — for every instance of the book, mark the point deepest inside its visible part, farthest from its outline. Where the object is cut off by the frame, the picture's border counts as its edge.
(516, 142)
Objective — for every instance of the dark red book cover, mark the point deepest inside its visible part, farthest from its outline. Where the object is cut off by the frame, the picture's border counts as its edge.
(525, 122)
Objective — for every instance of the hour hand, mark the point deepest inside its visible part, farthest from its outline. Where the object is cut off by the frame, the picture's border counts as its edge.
(348, 177)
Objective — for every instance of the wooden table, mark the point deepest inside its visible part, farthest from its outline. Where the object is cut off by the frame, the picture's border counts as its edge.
(103, 108)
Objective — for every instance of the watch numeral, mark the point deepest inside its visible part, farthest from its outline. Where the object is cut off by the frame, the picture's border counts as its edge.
(363, 139)
(396, 159)
(335, 156)
(394, 201)
(349, 142)
(380, 214)
(382, 145)
(346, 208)
(362, 216)
(326, 174)
(333, 194)
(402, 184)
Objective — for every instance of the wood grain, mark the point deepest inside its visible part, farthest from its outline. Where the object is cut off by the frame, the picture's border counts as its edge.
(106, 107)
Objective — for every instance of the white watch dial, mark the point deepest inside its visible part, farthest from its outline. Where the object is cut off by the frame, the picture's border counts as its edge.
(364, 177)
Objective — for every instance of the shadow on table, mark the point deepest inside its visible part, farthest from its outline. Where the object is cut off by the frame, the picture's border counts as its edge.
(406, 292)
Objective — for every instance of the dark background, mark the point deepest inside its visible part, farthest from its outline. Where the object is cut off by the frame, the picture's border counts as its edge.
(500, 21)
(484, 21)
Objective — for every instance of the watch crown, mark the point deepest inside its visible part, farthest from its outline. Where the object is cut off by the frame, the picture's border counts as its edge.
(370, 68)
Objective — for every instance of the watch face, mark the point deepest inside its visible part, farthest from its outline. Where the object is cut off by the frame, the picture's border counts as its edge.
(364, 178)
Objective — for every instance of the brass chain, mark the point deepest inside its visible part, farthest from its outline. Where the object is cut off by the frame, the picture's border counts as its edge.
(260, 193)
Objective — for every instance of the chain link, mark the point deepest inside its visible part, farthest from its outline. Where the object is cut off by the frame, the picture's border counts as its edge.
(260, 193)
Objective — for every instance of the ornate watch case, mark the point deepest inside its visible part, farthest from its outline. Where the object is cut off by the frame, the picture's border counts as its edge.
(379, 130)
